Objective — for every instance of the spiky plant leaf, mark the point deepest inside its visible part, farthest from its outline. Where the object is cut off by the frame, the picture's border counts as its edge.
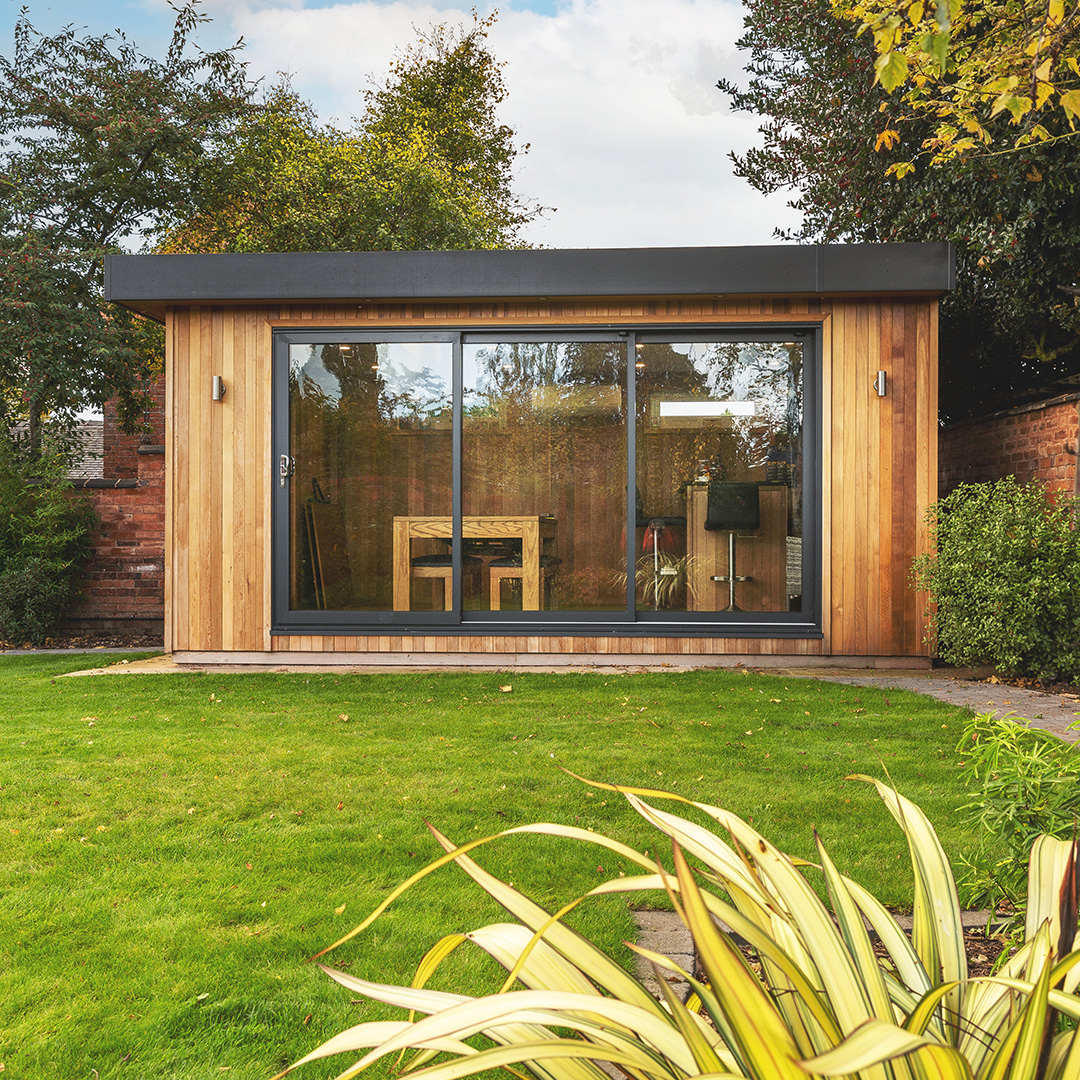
(764, 1046)
(937, 932)
(877, 1042)
(798, 1013)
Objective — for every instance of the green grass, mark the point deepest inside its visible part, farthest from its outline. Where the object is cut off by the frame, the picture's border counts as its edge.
(174, 847)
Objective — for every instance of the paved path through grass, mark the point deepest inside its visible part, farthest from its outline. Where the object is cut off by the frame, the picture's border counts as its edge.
(1052, 712)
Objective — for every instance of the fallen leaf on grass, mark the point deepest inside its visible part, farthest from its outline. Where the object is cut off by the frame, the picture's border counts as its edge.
(339, 910)
(249, 866)
(341, 806)
(505, 689)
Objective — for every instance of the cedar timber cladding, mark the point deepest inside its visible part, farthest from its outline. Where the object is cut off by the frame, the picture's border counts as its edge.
(879, 468)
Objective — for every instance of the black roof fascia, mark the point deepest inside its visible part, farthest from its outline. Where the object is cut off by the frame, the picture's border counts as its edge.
(137, 280)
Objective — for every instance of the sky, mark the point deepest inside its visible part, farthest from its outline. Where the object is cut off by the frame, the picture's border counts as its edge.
(628, 136)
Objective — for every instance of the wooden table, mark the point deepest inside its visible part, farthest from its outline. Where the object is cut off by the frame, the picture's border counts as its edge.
(530, 530)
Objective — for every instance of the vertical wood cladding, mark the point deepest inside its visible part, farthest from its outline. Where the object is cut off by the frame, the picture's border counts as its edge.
(879, 467)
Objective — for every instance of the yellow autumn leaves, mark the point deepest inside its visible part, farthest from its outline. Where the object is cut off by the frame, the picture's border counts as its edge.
(962, 64)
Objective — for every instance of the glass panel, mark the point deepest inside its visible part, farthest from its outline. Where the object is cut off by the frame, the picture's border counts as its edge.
(370, 432)
(719, 476)
(544, 475)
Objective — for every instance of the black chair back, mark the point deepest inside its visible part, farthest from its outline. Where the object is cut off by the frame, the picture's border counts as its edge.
(733, 506)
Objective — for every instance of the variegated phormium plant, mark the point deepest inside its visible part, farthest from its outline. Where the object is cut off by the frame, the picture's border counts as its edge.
(823, 1004)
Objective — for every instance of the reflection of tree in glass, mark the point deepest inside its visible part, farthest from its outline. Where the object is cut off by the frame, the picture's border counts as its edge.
(735, 447)
(767, 373)
(516, 370)
(340, 375)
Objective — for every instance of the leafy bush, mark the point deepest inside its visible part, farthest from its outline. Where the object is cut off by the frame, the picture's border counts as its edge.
(44, 537)
(1005, 578)
(1028, 784)
(819, 1002)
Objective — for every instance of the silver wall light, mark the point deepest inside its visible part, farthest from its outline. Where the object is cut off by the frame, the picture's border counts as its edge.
(219, 388)
(879, 384)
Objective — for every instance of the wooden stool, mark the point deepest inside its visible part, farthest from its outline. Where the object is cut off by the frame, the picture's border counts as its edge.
(439, 566)
(502, 569)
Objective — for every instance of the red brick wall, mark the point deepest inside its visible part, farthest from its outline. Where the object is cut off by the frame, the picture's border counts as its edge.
(120, 452)
(1030, 442)
(124, 587)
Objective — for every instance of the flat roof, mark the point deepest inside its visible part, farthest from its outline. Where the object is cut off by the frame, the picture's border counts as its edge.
(146, 283)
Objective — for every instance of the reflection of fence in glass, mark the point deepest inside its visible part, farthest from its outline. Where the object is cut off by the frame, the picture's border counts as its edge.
(545, 432)
(360, 419)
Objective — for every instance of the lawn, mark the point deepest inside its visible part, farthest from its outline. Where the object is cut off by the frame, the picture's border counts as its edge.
(175, 847)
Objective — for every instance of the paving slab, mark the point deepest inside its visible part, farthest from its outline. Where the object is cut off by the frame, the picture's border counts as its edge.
(1057, 713)
(664, 932)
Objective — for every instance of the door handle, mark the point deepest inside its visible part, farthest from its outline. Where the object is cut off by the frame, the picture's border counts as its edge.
(286, 467)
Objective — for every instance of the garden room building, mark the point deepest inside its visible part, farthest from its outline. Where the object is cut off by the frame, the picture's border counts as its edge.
(664, 455)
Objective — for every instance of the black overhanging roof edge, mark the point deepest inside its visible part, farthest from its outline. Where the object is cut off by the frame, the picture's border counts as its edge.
(546, 273)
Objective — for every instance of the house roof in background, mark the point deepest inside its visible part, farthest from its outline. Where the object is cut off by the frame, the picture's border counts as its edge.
(147, 283)
(91, 464)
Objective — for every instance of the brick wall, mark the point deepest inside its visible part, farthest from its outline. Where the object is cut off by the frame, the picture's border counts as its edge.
(124, 587)
(120, 459)
(1030, 442)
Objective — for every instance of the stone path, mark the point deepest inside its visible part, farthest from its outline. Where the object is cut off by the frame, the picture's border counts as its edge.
(664, 932)
(1052, 712)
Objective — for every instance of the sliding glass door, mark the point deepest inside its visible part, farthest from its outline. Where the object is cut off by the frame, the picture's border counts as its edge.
(720, 466)
(584, 478)
(370, 426)
(544, 426)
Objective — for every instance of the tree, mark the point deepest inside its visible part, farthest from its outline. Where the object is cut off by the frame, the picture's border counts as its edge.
(100, 147)
(1011, 324)
(429, 166)
(960, 63)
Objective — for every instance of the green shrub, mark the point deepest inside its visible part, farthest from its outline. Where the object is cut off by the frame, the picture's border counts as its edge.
(819, 1001)
(1005, 579)
(44, 538)
(1027, 784)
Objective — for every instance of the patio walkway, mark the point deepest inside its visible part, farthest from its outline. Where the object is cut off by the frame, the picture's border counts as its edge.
(1054, 712)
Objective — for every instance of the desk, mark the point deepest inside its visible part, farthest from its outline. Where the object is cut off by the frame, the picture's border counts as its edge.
(530, 530)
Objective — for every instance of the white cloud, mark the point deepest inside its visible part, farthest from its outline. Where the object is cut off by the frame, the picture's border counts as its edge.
(629, 136)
